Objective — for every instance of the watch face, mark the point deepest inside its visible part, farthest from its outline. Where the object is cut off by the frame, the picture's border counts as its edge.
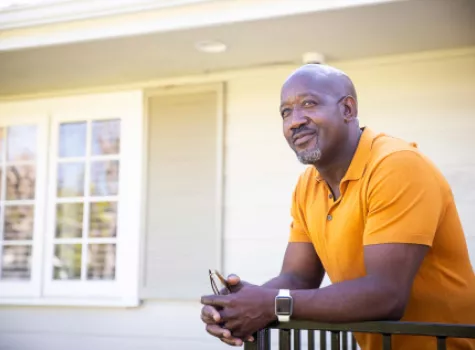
(283, 306)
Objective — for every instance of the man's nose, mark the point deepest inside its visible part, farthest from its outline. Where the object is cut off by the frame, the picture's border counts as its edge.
(298, 119)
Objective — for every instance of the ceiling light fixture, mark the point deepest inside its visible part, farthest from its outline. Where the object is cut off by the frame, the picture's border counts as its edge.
(313, 57)
(210, 46)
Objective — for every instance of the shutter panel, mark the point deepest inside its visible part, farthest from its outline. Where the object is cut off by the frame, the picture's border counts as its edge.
(182, 237)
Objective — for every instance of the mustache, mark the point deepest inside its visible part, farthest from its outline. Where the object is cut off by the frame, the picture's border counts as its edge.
(302, 129)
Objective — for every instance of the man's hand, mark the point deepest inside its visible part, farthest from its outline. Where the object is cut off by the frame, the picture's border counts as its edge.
(211, 317)
(246, 312)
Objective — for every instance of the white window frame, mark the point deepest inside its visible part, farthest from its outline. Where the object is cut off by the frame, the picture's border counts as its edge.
(128, 107)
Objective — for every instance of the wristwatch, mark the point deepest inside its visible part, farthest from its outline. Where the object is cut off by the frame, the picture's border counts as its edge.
(283, 305)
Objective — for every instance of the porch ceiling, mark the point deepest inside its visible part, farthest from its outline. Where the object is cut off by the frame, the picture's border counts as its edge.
(351, 33)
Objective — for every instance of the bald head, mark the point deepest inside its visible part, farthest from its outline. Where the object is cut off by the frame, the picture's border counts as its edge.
(319, 112)
(326, 79)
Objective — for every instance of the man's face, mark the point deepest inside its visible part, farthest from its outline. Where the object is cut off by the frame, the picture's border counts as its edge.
(312, 118)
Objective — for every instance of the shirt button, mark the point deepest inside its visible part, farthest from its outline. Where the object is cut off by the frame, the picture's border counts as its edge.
(329, 217)
(330, 196)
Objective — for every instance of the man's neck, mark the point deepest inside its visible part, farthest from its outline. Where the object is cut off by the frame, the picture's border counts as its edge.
(334, 171)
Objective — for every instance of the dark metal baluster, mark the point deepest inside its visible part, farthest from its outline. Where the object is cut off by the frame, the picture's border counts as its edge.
(386, 341)
(285, 339)
(296, 339)
(441, 343)
(266, 336)
(335, 340)
(311, 340)
(262, 341)
(323, 340)
(353, 342)
(344, 341)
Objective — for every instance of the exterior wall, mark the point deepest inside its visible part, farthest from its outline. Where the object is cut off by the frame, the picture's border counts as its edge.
(427, 99)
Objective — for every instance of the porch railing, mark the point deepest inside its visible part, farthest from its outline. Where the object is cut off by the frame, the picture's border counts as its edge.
(341, 337)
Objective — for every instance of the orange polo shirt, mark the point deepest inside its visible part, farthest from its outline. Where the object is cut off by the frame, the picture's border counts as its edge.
(391, 193)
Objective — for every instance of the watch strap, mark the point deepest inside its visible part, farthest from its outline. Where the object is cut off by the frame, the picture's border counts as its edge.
(284, 293)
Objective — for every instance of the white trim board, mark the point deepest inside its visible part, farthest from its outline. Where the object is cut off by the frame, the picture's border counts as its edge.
(196, 14)
(65, 11)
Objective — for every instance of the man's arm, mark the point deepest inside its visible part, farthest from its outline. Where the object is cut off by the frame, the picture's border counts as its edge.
(381, 295)
(301, 268)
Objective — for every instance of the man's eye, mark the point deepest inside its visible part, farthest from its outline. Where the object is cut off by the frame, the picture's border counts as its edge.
(285, 112)
(308, 103)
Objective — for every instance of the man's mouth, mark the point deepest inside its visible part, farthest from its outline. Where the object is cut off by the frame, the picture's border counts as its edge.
(303, 137)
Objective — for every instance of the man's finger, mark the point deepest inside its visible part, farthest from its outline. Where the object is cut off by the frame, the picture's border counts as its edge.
(215, 300)
(227, 315)
(233, 279)
(210, 315)
(217, 331)
(232, 341)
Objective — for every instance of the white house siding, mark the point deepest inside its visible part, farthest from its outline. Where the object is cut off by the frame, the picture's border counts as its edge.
(423, 98)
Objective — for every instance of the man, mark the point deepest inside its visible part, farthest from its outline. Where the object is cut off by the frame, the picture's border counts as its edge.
(373, 213)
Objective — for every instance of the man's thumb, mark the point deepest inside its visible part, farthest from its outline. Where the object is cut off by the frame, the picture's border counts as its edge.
(233, 279)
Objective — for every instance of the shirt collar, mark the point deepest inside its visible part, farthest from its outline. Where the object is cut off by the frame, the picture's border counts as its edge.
(360, 158)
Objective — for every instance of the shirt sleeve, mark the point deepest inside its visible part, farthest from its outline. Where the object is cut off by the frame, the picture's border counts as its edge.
(298, 227)
(406, 200)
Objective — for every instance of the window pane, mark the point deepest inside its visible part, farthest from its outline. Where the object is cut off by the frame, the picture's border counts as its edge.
(106, 137)
(21, 143)
(72, 139)
(101, 262)
(105, 178)
(16, 262)
(2, 140)
(70, 180)
(21, 182)
(103, 222)
(67, 262)
(19, 221)
(69, 220)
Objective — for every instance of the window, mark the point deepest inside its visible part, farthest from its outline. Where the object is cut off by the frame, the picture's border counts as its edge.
(70, 205)
(20, 206)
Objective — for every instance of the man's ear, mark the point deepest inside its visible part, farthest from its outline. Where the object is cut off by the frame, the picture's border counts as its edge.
(350, 108)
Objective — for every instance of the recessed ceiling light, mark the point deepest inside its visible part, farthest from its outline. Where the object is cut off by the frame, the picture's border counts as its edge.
(210, 46)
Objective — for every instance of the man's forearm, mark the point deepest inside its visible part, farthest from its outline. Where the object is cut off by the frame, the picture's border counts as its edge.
(363, 299)
(290, 281)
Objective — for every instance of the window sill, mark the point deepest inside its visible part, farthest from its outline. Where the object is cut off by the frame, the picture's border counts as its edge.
(93, 302)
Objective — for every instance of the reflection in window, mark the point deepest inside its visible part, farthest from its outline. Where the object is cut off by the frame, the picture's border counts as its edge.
(69, 218)
(106, 137)
(21, 143)
(18, 151)
(72, 140)
(21, 180)
(101, 262)
(67, 262)
(103, 221)
(70, 180)
(18, 222)
(16, 262)
(105, 178)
